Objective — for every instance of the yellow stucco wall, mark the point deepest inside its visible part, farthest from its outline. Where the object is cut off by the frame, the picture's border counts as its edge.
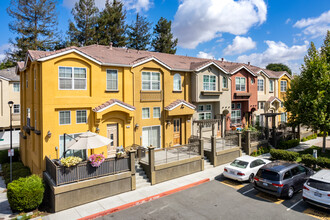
(281, 95)
(48, 100)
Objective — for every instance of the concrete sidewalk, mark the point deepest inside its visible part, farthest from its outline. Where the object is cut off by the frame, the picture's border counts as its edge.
(132, 196)
(5, 211)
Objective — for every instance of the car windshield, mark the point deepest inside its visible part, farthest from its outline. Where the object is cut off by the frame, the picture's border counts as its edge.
(239, 164)
(318, 185)
(269, 175)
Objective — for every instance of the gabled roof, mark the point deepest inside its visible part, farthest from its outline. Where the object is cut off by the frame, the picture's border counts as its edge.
(273, 98)
(9, 74)
(111, 103)
(179, 102)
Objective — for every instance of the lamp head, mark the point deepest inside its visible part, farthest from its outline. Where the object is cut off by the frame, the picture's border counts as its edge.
(10, 103)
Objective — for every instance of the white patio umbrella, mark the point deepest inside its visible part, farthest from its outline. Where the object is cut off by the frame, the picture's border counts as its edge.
(88, 140)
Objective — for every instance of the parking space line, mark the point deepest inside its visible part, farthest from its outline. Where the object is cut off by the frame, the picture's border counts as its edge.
(247, 191)
(269, 198)
(233, 184)
(317, 214)
(294, 205)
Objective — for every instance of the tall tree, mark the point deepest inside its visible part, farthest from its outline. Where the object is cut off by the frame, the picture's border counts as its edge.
(163, 41)
(308, 99)
(111, 24)
(278, 67)
(6, 63)
(35, 24)
(139, 33)
(82, 31)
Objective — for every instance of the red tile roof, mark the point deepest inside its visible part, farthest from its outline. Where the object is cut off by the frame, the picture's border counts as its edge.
(177, 102)
(110, 102)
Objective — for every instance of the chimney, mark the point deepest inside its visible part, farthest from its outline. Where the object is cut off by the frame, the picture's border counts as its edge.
(222, 59)
(110, 46)
(248, 63)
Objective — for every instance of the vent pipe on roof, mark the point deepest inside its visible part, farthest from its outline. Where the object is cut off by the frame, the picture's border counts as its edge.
(248, 63)
(110, 45)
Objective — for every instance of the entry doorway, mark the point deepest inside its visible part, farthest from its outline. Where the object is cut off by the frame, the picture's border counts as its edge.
(177, 131)
(112, 133)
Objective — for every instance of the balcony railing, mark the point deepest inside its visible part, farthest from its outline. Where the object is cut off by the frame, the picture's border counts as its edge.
(83, 171)
(151, 96)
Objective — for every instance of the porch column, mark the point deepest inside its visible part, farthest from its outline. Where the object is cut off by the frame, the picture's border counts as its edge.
(239, 135)
(151, 157)
(274, 130)
(201, 152)
(267, 129)
(200, 130)
(223, 126)
(213, 150)
(132, 163)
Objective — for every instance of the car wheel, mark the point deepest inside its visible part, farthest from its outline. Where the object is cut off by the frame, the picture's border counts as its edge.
(290, 192)
(251, 178)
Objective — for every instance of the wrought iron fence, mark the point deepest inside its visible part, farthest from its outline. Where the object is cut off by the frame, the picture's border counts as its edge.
(227, 142)
(83, 171)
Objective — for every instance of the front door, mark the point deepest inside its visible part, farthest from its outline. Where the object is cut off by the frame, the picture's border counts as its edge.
(177, 131)
(219, 129)
(112, 131)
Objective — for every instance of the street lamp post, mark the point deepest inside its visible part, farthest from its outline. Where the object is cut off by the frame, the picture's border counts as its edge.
(11, 103)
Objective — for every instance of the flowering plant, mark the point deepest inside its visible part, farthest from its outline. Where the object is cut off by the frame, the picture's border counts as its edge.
(70, 161)
(96, 159)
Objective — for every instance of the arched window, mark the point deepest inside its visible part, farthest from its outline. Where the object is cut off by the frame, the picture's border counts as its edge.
(177, 82)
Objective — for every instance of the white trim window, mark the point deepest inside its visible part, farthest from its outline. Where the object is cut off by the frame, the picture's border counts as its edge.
(209, 83)
(271, 85)
(204, 112)
(72, 78)
(177, 82)
(284, 85)
(224, 82)
(112, 80)
(260, 85)
(240, 83)
(236, 116)
(145, 113)
(16, 87)
(261, 105)
(156, 112)
(151, 136)
(81, 116)
(238, 105)
(65, 117)
(16, 109)
(77, 153)
(150, 81)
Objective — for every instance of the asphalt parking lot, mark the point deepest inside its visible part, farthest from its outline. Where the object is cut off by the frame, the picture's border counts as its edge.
(222, 199)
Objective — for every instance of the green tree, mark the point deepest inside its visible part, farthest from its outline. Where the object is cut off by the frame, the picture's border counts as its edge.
(7, 63)
(163, 41)
(35, 24)
(308, 99)
(278, 67)
(82, 31)
(111, 24)
(139, 33)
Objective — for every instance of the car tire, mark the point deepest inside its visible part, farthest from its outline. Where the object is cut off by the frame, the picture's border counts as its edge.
(251, 178)
(290, 192)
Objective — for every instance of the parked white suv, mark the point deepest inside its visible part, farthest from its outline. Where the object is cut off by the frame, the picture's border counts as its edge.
(316, 190)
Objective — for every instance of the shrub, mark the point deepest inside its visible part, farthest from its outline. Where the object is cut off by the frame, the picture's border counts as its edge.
(284, 155)
(308, 160)
(70, 161)
(321, 134)
(261, 150)
(25, 194)
(319, 151)
(310, 137)
(4, 156)
(323, 162)
(18, 170)
(288, 144)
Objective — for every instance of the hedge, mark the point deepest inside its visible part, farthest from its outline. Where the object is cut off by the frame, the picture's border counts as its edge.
(321, 134)
(288, 144)
(310, 161)
(18, 170)
(284, 155)
(4, 156)
(261, 150)
(25, 194)
(310, 137)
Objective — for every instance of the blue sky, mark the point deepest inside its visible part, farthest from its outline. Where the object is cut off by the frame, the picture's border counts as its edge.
(256, 31)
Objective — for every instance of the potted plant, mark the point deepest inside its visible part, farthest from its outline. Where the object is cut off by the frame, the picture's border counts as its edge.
(120, 154)
(70, 161)
(96, 160)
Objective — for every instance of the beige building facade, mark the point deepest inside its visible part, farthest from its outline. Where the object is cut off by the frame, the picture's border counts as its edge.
(9, 91)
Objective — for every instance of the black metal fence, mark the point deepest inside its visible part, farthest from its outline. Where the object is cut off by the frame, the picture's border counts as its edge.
(83, 171)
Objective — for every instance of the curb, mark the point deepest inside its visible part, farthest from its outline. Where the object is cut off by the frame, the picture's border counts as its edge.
(141, 201)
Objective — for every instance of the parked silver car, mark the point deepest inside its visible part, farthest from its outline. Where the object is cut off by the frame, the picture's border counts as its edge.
(281, 178)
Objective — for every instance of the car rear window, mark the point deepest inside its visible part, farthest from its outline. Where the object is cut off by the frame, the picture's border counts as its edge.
(269, 175)
(239, 164)
(318, 185)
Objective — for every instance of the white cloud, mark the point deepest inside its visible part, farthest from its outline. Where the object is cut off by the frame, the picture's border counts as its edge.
(202, 54)
(199, 21)
(137, 5)
(288, 21)
(240, 45)
(315, 27)
(3, 49)
(277, 52)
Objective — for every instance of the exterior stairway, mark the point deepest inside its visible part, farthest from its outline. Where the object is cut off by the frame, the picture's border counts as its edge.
(141, 177)
(207, 164)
